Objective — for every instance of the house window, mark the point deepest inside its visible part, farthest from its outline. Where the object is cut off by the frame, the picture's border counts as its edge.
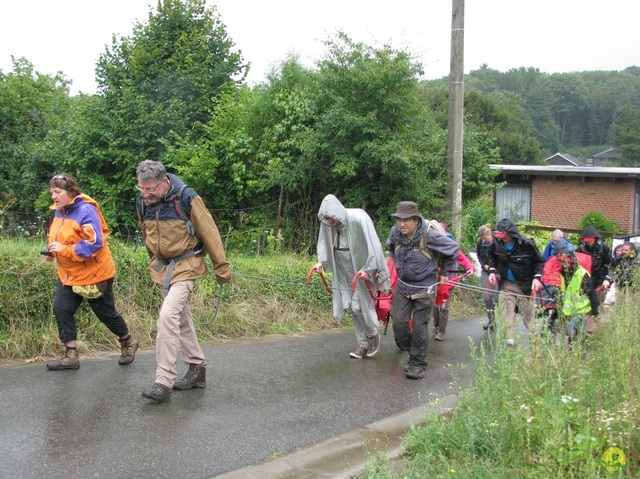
(514, 202)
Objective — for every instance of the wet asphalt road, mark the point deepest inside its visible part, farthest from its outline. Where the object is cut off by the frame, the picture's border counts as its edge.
(263, 398)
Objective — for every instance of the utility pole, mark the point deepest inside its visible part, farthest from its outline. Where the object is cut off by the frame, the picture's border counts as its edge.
(455, 122)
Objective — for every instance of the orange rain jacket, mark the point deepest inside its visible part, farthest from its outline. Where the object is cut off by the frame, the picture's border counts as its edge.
(86, 257)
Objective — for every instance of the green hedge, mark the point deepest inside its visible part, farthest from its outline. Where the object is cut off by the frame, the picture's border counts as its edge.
(268, 294)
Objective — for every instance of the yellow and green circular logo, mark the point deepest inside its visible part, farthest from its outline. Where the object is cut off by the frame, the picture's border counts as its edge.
(614, 460)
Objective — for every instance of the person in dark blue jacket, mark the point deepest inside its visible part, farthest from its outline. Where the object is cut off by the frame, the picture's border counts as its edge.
(418, 250)
(516, 265)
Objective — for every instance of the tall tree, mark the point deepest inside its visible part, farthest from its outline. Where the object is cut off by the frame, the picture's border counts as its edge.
(501, 115)
(373, 132)
(34, 109)
(159, 87)
(627, 135)
(569, 107)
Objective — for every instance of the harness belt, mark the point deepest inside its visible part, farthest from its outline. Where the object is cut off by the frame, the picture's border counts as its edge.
(171, 262)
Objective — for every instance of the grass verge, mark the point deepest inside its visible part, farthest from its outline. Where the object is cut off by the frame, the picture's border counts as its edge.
(540, 411)
(268, 295)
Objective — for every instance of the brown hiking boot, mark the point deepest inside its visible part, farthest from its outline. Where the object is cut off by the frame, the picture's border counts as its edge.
(194, 378)
(158, 392)
(128, 351)
(69, 360)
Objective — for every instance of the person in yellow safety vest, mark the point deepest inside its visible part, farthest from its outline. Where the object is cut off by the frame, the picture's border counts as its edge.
(580, 299)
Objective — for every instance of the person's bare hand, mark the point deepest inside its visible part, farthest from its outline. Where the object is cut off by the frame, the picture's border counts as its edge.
(56, 247)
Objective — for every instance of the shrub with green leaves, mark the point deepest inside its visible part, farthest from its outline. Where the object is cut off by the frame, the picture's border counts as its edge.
(600, 222)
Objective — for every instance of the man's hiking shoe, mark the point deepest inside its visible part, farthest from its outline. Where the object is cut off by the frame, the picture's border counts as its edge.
(488, 325)
(439, 337)
(373, 345)
(69, 360)
(128, 351)
(195, 377)
(416, 372)
(158, 392)
(359, 353)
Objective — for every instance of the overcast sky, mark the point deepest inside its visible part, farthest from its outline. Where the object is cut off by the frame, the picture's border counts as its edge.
(552, 35)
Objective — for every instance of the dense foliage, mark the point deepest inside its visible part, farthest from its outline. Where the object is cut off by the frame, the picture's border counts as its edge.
(360, 125)
(571, 110)
(33, 113)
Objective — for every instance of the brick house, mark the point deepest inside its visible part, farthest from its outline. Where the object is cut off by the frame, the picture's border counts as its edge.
(560, 196)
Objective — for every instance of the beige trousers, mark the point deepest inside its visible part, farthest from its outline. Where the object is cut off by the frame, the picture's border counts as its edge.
(175, 331)
(513, 296)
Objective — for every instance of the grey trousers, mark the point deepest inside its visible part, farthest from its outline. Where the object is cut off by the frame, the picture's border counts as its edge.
(413, 340)
(364, 329)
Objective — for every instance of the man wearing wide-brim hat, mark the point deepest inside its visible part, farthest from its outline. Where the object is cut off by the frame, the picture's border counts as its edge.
(423, 256)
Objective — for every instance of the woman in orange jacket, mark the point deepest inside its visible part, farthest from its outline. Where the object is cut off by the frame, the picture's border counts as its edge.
(78, 242)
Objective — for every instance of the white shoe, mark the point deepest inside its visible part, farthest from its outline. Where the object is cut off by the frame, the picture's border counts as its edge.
(511, 343)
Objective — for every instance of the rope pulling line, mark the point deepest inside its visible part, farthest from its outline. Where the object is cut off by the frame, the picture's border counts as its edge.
(430, 289)
(478, 289)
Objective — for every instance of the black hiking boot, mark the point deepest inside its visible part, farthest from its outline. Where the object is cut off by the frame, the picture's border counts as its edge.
(195, 377)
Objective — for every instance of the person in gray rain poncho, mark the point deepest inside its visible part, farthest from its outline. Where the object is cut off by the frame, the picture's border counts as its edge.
(348, 244)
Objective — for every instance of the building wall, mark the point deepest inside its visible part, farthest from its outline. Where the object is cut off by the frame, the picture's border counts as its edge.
(563, 203)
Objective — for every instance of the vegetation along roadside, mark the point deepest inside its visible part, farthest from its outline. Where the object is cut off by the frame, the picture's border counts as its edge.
(536, 412)
(268, 295)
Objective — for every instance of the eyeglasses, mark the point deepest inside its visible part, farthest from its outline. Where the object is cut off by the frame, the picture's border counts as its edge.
(148, 190)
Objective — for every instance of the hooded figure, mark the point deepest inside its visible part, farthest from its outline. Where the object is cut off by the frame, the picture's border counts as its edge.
(516, 265)
(525, 266)
(347, 244)
(592, 244)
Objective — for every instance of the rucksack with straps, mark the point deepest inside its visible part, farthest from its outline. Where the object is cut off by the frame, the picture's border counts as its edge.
(178, 205)
(430, 255)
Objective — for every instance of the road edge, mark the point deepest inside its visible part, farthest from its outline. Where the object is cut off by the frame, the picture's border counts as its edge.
(348, 454)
